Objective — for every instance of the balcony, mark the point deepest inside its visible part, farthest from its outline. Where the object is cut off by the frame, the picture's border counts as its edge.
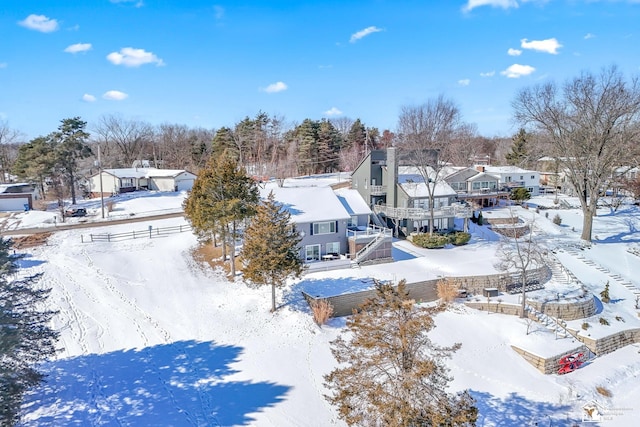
(417, 214)
(378, 190)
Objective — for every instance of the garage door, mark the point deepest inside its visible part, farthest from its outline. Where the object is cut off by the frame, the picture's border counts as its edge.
(13, 204)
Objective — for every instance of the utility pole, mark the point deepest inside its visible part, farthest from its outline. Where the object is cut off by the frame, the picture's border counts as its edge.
(101, 192)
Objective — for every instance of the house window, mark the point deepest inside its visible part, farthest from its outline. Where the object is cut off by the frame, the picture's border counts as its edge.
(312, 253)
(365, 183)
(333, 248)
(353, 221)
(475, 185)
(324, 227)
(533, 177)
(126, 182)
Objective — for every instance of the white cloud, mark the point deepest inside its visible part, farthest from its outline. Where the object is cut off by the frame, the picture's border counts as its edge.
(78, 47)
(89, 98)
(488, 74)
(138, 3)
(333, 111)
(514, 52)
(3, 65)
(130, 57)
(589, 36)
(275, 87)
(548, 45)
(505, 4)
(363, 33)
(516, 71)
(40, 23)
(464, 82)
(115, 95)
(219, 11)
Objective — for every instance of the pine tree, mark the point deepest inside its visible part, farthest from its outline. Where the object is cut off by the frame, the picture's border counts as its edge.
(519, 153)
(222, 197)
(391, 373)
(26, 338)
(270, 251)
(70, 142)
(519, 194)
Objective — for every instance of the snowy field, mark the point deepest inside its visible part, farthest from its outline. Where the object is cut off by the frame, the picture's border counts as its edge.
(151, 338)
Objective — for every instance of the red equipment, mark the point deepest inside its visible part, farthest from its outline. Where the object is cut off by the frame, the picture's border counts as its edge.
(570, 363)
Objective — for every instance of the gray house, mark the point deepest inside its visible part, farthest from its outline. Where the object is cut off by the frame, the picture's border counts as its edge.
(319, 217)
(399, 195)
(476, 187)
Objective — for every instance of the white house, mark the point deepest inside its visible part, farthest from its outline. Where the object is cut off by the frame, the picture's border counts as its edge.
(511, 177)
(117, 181)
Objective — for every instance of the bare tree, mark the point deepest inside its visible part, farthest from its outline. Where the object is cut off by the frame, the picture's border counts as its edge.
(520, 253)
(425, 133)
(592, 124)
(8, 149)
(132, 138)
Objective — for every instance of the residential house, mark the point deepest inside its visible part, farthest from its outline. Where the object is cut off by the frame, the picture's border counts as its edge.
(398, 193)
(510, 177)
(18, 196)
(475, 187)
(117, 181)
(332, 225)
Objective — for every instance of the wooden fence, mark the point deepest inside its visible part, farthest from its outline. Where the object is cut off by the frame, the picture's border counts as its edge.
(149, 233)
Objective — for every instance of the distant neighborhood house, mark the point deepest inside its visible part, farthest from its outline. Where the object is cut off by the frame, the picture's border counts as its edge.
(110, 182)
(18, 196)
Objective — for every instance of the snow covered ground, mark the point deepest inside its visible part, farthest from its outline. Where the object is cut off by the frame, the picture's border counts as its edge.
(151, 338)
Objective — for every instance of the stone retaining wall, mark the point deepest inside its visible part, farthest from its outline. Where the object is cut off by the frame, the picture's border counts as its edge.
(550, 365)
(560, 310)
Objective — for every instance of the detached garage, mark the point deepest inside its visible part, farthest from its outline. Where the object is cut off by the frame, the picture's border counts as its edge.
(118, 181)
(17, 197)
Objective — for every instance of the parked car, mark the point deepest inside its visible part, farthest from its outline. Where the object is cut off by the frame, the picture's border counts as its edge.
(75, 212)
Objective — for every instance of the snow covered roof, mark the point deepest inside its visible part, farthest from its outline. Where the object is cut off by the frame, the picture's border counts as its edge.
(143, 172)
(506, 169)
(419, 189)
(308, 204)
(352, 201)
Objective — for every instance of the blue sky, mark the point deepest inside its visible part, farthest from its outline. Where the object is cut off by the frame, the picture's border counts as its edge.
(211, 63)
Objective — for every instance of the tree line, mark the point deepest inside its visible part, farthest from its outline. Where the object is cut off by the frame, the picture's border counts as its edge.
(588, 125)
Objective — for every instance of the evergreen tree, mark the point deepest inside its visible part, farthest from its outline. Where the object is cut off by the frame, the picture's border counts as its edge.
(519, 154)
(519, 194)
(307, 138)
(270, 252)
(35, 161)
(70, 143)
(390, 372)
(26, 338)
(329, 141)
(222, 197)
(223, 142)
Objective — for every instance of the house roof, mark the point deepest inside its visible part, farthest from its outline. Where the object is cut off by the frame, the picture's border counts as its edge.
(307, 204)
(417, 190)
(144, 172)
(352, 201)
(506, 169)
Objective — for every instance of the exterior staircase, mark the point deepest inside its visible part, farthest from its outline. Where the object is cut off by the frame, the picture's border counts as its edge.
(363, 253)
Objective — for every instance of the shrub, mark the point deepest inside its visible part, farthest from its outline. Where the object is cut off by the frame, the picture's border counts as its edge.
(459, 238)
(109, 205)
(604, 321)
(557, 220)
(322, 311)
(604, 295)
(619, 319)
(447, 290)
(585, 325)
(546, 214)
(430, 241)
(480, 218)
(604, 391)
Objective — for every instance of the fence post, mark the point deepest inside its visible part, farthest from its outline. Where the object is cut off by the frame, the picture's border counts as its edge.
(108, 237)
(81, 238)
